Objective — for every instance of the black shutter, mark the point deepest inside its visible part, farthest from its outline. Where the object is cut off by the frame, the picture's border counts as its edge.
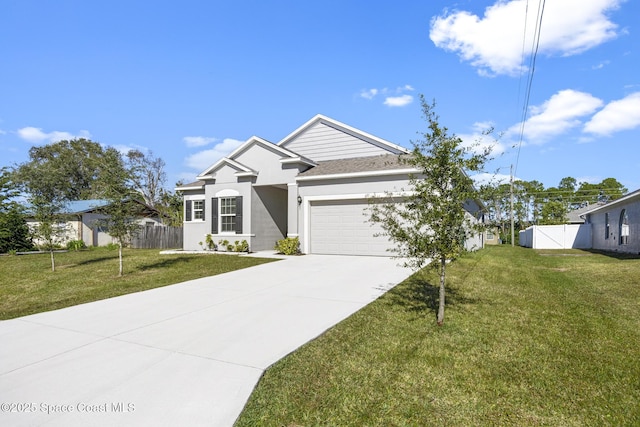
(214, 215)
(187, 209)
(239, 215)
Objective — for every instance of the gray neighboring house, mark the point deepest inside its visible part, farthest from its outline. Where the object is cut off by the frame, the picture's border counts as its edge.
(615, 226)
(314, 184)
(82, 221)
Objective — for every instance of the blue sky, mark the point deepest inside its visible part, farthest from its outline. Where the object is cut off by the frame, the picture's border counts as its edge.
(191, 80)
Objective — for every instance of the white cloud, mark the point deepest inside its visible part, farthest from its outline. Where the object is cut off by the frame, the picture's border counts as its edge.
(398, 101)
(601, 65)
(393, 97)
(369, 93)
(479, 140)
(198, 141)
(494, 44)
(203, 159)
(490, 178)
(124, 149)
(557, 115)
(619, 115)
(37, 135)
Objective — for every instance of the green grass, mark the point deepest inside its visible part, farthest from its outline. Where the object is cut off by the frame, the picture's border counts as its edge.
(531, 338)
(27, 284)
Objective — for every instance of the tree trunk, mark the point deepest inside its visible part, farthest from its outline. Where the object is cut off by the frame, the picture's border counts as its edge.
(120, 259)
(443, 264)
(53, 261)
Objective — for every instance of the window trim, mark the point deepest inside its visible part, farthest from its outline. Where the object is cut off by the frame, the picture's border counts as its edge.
(189, 209)
(222, 215)
(216, 208)
(196, 210)
(624, 226)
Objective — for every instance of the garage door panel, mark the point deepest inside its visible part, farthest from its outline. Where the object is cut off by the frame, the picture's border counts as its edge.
(341, 227)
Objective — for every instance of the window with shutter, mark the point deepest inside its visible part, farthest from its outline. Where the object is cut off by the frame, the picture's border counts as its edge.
(229, 215)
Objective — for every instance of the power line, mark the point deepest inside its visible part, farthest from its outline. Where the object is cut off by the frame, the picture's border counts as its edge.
(532, 67)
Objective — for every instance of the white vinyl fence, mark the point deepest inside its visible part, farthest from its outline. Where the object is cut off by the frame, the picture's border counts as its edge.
(567, 236)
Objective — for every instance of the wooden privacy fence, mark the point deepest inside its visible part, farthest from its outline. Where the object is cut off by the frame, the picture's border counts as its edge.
(158, 238)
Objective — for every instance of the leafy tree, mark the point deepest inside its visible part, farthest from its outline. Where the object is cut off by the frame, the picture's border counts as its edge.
(554, 212)
(77, 165)
(431, 226)
(171, 207)
(612, 189)
(607, 190)
(14, 232)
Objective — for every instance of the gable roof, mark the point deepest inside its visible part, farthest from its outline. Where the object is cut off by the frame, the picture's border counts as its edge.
(242, 169)
(576, 216)
(197, 185)
(291, 157)
(357, 133)
(288, 157)
(82, 206)
(360, 166)
(629, 197)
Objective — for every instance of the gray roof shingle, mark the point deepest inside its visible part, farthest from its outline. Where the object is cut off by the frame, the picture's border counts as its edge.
(358, 164)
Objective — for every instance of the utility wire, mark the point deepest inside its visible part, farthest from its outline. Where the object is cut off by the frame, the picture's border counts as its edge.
(532, 67)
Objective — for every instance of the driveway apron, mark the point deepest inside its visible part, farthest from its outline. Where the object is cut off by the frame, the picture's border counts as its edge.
(186, 354)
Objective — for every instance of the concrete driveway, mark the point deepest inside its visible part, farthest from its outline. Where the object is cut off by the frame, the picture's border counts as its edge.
(186, 354)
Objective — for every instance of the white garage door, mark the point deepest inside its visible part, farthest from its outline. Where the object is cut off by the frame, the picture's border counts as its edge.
(340, 227)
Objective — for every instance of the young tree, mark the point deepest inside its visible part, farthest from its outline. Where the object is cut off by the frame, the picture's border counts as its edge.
(122, 207)
(431, 226)
(46, 203)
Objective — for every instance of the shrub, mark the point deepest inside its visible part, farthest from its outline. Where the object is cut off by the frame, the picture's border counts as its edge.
(241, 246)
(112, 246)
(76, 245)
(288, 246)
(210, 243)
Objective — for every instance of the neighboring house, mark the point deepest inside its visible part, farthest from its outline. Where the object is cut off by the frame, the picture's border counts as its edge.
(576, 216)
(492, 236)
(82, 221)
(615, 226)
(315, 184)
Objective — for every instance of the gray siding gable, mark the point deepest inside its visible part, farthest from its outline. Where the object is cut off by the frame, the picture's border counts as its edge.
(324, 139)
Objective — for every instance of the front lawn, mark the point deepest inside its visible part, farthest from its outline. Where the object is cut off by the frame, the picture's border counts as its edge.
(27, 284)
(531, 338)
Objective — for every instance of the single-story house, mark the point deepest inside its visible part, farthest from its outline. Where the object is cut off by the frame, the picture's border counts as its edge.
(492, 236)
(615, 226)
(82, 221)
(315, 184)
